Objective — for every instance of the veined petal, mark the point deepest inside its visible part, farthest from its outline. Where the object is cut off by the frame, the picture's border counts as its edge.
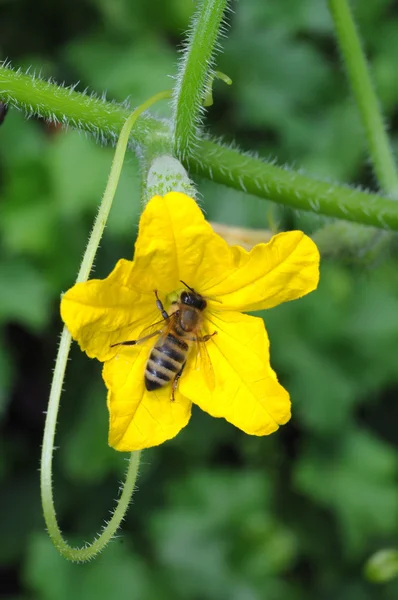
(102, 312)
(137, 418)
(176, 243)
(284, 269)
(246, 391)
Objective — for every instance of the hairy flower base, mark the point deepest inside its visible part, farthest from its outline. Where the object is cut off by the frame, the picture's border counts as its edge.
(176, 244)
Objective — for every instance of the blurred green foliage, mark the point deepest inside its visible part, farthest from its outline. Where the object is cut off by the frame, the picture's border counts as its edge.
(217, 514)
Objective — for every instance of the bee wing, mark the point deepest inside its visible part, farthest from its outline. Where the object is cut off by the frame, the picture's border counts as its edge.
(164, 325)
(160, 328)
(203, 362)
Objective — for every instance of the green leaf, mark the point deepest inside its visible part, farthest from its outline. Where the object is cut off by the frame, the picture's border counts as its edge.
(357, 482)
(382, 566)
(24, 294)
(85, 454)
(135, 71)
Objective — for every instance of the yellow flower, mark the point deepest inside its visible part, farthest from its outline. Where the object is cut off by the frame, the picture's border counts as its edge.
(175, 244)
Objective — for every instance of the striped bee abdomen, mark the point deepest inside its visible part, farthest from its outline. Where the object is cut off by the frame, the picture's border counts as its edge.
(167, 358)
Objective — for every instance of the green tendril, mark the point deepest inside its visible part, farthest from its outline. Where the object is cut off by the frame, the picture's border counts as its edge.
(208, 101)
(90, 550)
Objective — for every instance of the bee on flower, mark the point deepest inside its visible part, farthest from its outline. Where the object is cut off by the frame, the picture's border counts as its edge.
(203, 350)
(169, 356)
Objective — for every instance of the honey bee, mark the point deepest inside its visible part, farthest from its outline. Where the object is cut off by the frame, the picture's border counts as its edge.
(182, 330)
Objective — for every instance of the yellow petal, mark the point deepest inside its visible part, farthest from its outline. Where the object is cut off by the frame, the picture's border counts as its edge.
(137, 418)
(176, 243)
(246, 391)
(101, 312)
(284, 269)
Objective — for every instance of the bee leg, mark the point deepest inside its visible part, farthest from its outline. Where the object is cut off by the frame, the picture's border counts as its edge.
(175, 383)
(207, 337)
(134, 342)
(160, 306)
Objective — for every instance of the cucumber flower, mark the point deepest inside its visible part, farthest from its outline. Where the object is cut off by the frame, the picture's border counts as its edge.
(227, 372)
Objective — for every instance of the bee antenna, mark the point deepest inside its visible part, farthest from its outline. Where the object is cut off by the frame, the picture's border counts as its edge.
(186, 285)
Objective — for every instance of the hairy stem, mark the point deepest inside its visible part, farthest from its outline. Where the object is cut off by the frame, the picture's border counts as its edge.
(193, 77)
(66, 106)
(365, 96)
(291, 188)
(210, 159)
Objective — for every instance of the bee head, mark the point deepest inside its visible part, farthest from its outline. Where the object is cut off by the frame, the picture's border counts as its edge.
(193, 299)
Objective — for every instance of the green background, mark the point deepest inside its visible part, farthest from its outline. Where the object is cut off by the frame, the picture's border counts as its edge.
(217, 514)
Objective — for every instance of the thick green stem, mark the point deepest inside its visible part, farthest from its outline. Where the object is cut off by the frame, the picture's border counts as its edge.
(63, 105)
(290, 188)
(193, 77)
(365, 97)
(210, 159)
